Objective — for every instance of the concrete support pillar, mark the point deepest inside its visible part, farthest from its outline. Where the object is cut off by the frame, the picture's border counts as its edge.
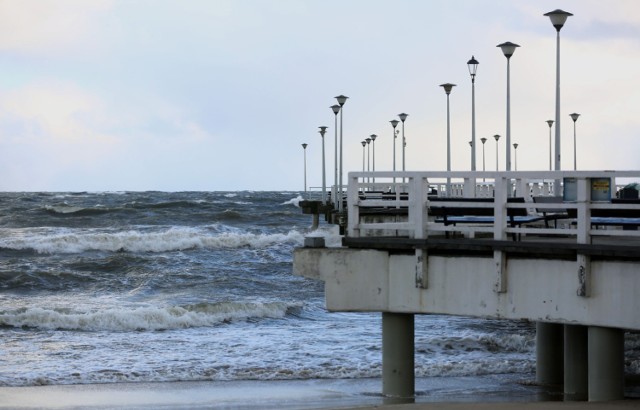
(398, 379)
(606, 364)
(549, 353)
(576, 369)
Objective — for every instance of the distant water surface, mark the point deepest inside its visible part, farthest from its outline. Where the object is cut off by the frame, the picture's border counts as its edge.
(197, 286)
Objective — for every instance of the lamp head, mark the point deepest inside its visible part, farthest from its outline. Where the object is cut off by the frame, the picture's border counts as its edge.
(550, 122)
(497, 137)
(515, 145)
(403, 116)
(364, 143)
(473, 67)
(322, 131)
(373, 137)
(508, 48)
(574, 116)
(447, 87)
(368, 140)
(394, 123)
(304, 146)
(341, 99)
(335, 108)
(483, 140)
(558, 17)
(471, 144)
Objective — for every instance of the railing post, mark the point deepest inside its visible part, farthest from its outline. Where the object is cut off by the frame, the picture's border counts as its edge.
(353, 211)
(583, 235)
(501, 187)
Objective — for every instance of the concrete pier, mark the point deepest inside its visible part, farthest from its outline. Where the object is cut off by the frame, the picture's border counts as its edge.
(576, 368)
(549, 353)
(578, 280)
(606, 364)
(398, 377)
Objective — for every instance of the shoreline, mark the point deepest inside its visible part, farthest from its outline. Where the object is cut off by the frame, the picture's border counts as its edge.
(478, 392)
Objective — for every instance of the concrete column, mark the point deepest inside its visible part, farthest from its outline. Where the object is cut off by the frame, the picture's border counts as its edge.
(576, 373)
(606, 364)
(549, 353)
(398, 379)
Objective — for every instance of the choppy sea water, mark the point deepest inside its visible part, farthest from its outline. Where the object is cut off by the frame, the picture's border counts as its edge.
(198, 286)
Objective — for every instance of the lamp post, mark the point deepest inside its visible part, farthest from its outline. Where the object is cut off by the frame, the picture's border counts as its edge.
(364, 144)
(558, 18)
(508, 49)
(304, 149)
(368, 141)
(483, 140)
(322, 131)
(574, 117)
(394, 124)
(373, 144)
(341, 100)
(447, 89)
(403, 116)
(336, 109)
(550, 122)
(473, 67)
(497, 137)
(515, 153)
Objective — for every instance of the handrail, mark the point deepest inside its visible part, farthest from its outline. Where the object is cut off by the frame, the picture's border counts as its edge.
(584, 191)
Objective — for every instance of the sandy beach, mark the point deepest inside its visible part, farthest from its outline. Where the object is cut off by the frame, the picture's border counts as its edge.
(308, 394)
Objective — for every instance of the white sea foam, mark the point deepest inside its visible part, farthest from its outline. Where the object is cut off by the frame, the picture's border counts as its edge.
(142, 318)
(171, 239)
(294, 201)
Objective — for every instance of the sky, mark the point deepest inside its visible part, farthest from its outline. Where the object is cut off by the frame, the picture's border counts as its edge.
(219, 95)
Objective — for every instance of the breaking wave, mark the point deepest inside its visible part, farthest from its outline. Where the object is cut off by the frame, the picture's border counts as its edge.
(171, 239)
(143, 318)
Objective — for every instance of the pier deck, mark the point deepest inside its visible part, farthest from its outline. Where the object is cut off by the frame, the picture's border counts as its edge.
(579, 278)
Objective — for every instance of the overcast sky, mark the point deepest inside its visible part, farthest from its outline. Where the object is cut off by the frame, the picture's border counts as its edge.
(219, 95)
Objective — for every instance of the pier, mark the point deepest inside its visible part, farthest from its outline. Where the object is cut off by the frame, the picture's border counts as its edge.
(494, 245)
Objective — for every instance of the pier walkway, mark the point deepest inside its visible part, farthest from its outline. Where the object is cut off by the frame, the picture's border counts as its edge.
(560, 248)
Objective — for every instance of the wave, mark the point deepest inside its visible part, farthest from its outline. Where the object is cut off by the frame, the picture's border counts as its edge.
(172, 239)
(69, 210)
(294, 201)
(144, 318)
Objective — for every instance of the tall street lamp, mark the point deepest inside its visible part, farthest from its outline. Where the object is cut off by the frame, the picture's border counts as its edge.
(558, 18)
(515, 153)
(304, 149)
(403, 116)
(394, 124)
(336, 109)
(373, 144)
(364, 144)
(483, 140)
(368, 141)
(497, 137)
(341, 100)
(322, 131)
(447, 89)
(574, 117)
(550, 122)
(508, 49)
(473, 67)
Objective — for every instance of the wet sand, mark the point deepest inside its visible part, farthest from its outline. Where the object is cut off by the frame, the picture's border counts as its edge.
(444, 393)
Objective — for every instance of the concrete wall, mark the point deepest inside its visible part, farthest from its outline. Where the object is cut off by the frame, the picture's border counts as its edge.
(536, 289)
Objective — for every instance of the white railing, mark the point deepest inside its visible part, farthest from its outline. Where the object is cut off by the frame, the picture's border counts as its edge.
(583, 192)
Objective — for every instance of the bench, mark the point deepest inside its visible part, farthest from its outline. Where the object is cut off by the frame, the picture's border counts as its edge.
(550, 214)
(471, 214)
(628, 219)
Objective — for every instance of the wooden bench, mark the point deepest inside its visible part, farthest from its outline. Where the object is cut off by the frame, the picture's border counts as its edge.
(449, 215)
(627, 218)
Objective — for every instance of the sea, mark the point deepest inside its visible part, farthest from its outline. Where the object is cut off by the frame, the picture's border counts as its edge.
(155, 287)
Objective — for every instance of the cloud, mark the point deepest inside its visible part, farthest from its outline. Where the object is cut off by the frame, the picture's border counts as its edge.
(48, 26)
